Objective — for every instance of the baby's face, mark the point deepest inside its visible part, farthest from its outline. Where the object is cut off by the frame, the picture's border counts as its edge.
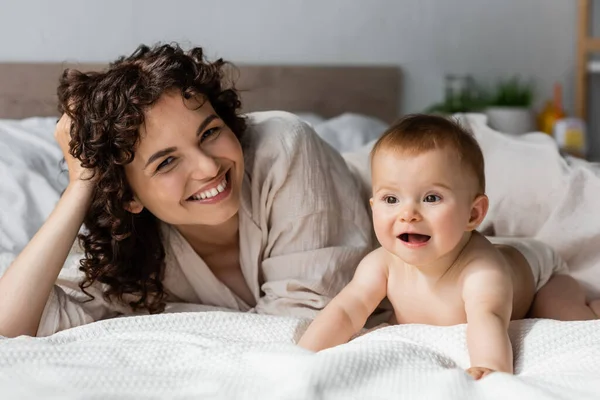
(421, 203)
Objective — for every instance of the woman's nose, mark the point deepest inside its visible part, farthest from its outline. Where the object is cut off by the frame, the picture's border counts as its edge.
(204, 166)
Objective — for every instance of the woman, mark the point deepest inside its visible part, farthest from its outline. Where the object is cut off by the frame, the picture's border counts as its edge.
(183, 200)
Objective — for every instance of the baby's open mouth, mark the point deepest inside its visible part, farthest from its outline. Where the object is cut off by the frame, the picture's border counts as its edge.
(414, 238)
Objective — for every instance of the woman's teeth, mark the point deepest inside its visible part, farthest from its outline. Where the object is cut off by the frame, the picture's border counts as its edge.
(207, 194)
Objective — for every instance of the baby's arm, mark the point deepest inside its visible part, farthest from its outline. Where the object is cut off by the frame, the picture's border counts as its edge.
(488, 295)
(347, 313)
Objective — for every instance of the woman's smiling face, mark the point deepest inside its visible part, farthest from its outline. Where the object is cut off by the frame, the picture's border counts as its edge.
(188, 166)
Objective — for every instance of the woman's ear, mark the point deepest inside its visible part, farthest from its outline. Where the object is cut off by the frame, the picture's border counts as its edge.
(134, 206)
(479, 210)
(371, 202)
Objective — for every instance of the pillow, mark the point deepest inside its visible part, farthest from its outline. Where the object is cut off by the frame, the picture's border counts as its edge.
(349, 132)
(310, 118)
(30, 178)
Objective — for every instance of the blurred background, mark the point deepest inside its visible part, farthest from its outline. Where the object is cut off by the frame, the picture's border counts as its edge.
(503, 53)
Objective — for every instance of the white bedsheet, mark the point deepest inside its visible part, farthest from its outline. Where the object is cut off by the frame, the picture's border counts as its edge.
(225, 355)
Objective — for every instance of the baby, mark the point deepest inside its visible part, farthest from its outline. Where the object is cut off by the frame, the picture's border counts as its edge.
(435, 268)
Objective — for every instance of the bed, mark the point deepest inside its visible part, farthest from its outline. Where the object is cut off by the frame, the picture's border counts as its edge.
(202, 352)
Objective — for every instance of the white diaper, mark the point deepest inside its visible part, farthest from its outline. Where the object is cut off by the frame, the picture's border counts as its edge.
(542, 259)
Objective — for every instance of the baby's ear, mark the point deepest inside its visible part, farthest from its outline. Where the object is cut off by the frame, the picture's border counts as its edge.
(371, 202)
(479, 209)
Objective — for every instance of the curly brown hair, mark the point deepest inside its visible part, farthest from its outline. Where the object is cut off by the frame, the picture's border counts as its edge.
(124, 251)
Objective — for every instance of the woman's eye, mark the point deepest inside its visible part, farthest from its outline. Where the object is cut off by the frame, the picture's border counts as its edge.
(210, 133)
(165, 163)
(432, 198)
(390, 200)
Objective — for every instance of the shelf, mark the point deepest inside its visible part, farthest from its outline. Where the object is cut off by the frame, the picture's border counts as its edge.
(586, 45)
(593, 44)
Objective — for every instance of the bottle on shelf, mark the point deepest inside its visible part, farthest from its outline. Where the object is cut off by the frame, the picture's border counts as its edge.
(552, 111)
(570, 135)
(568, 132)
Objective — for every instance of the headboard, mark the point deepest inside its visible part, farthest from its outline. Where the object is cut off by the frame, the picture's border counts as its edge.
(29, 89)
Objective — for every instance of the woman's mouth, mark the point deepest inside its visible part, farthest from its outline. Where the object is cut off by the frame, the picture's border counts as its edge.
(214, 193)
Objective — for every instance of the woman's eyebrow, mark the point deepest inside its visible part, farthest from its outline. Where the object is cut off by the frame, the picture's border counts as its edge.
(205, 123)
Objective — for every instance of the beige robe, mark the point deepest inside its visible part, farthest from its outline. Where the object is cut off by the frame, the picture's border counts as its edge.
(303, 229)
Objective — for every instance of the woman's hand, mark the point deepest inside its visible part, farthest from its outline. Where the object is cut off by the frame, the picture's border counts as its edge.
(62, 135)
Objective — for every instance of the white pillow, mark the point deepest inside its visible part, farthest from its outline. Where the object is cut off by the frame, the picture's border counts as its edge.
(349, 132)
(310, 118)
(30, 178)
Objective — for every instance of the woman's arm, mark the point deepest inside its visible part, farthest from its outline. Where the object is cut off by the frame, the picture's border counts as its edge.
(26, 285)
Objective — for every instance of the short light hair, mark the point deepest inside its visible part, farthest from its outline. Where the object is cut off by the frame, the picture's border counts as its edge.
(418, 133)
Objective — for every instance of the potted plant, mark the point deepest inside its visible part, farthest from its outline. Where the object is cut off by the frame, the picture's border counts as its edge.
(509, 108)
(462, 95)
(460, 103)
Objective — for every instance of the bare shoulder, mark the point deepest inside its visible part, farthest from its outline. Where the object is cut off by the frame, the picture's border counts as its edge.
(376, 262)
(484, 268)
(369, 283)
(480, 254)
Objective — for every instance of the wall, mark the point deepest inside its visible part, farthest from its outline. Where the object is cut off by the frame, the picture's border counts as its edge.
(427, 38)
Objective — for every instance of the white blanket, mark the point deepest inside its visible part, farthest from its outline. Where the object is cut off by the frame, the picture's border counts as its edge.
(224, 355)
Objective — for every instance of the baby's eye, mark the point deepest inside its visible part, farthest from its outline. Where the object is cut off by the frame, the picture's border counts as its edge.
(390, 200)
(432, 198)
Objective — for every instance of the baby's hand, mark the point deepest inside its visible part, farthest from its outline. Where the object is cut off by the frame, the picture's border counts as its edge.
(479, 372)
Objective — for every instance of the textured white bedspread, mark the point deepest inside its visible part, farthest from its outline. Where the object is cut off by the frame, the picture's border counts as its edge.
(224, 355)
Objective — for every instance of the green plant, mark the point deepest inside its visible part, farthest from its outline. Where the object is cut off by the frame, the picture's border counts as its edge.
(513, 92)
(473, 101)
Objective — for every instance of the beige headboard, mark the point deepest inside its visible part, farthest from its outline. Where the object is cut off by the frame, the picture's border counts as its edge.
(29, 89)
